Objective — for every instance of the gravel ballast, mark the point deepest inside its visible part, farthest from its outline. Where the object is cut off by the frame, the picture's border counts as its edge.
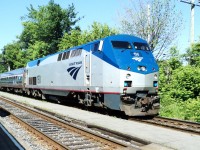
(158, 135)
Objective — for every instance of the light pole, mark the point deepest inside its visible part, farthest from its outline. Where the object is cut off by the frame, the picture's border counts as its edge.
(193, 4)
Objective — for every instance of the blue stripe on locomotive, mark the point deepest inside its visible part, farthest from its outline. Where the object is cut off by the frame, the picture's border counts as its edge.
(122, 59)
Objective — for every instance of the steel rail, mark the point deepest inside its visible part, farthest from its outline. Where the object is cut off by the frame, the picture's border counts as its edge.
(99, 140)
(181, 125)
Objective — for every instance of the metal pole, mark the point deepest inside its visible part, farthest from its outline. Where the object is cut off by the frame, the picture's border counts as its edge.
(148, 15)
(192, 22)
(193, 4)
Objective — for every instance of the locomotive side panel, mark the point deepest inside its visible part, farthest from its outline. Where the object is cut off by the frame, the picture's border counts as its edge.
(57, 77)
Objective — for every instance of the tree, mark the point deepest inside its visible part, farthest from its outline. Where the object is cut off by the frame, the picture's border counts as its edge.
(78, 37)
(14, 56)
(47, 25)
(158, 23)
(2, 63)
(185, 83)
(74, 38)
(98, 30)
(175, 58)
(37, 50)
(168, 66)
(179, 88)
(192, 55)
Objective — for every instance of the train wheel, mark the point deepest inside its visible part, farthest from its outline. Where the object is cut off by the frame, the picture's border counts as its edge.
(88, 100)
(29, 92)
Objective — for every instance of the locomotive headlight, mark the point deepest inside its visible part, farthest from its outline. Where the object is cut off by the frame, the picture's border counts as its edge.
(155, 76)
(128, 76)
(142, 68)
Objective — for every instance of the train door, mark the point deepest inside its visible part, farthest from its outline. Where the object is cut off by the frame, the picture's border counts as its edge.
(88, 68)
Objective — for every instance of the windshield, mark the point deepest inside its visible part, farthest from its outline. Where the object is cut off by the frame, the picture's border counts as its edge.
(141, 46)
(121, 45)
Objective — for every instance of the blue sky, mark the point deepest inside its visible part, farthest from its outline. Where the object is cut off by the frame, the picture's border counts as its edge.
(103, 11)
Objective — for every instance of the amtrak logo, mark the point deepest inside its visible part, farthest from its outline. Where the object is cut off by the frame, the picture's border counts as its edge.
(73, 71)
(137, 57)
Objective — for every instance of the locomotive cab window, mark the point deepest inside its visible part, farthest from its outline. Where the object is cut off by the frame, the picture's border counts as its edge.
(38, 62)
(95, 47)
(141, 46)
(121, 45)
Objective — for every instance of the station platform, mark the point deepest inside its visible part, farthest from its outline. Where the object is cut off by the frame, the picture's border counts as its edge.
(162, 138)
(7, 142)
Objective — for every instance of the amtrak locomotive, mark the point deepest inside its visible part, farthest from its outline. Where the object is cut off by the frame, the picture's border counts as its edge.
(117, 72)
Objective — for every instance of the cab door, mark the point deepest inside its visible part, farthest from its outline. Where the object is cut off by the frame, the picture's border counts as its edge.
(87, 67)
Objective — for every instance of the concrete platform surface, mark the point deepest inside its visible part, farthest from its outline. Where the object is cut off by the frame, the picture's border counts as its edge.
(158, 135)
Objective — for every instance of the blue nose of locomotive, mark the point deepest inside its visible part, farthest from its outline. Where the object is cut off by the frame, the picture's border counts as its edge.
(139, 61)
(133, 54)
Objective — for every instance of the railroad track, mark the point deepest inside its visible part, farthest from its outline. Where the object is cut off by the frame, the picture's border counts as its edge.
(182, 125)
(61, 134)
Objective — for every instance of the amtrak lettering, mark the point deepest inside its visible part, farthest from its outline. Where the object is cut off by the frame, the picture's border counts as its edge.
(75, 63)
